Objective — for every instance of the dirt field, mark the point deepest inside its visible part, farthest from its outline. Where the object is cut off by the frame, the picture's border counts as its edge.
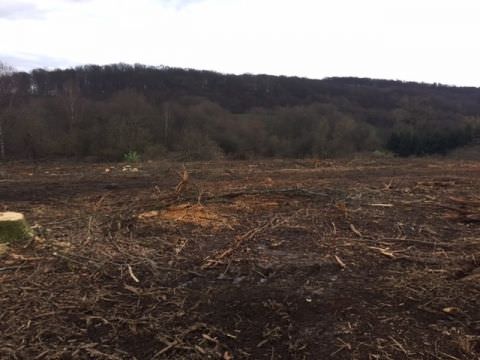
(362, 259)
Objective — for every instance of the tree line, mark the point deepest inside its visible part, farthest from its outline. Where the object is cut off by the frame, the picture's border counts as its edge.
(105, 112)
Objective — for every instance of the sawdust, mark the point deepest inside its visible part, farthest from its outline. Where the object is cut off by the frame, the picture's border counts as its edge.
(211, 215)
(253, 203)
(200, 215)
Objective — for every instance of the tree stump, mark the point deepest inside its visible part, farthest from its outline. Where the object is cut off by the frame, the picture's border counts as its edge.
(13, 227)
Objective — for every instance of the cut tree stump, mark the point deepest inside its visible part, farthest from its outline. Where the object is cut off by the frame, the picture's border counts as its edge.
(13, 227)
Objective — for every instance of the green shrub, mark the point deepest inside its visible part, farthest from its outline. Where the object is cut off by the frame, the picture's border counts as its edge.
(131, 156)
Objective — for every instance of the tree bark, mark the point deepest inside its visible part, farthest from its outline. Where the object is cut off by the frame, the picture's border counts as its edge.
(2, 143)
(166, 119)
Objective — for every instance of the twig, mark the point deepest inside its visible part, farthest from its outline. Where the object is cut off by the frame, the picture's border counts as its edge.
(290, 191)
(381, 205)
(12, 268)
(355, 231)
(400, 346)
(182, 185)
(165, 349)
(132, 275)
(249, 235)
(384, 252)
(414, 241)
(340, 262)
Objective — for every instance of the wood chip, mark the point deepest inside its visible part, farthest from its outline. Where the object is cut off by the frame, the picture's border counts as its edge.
(384, 251)
(451, 310)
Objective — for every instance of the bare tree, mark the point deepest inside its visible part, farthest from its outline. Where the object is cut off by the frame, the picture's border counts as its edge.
(165, 122)
(8, 91)
(71, 98)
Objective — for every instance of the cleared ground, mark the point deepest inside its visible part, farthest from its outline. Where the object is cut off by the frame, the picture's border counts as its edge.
(362, 259)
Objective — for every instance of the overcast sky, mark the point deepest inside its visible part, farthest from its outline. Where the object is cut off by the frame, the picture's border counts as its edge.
(420, 40)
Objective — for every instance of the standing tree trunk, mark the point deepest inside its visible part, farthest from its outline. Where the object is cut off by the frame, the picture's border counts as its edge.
(7, 95)
(166, 120)
(72, 97)
(2, 143)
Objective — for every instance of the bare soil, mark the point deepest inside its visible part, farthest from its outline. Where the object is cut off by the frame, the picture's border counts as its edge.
(360, 259)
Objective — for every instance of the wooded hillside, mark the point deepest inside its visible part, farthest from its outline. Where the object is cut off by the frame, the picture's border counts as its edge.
(106, 112)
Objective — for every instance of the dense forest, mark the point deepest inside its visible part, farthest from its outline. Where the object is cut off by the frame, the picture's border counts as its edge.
(109, 112)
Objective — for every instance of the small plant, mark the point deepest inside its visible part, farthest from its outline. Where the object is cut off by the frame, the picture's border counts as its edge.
(382, 153)
(131, 156)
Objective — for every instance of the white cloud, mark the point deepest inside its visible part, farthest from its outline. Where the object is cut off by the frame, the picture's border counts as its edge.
(433, 41)
(180, 4)
(18, 10)
(26, 61)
